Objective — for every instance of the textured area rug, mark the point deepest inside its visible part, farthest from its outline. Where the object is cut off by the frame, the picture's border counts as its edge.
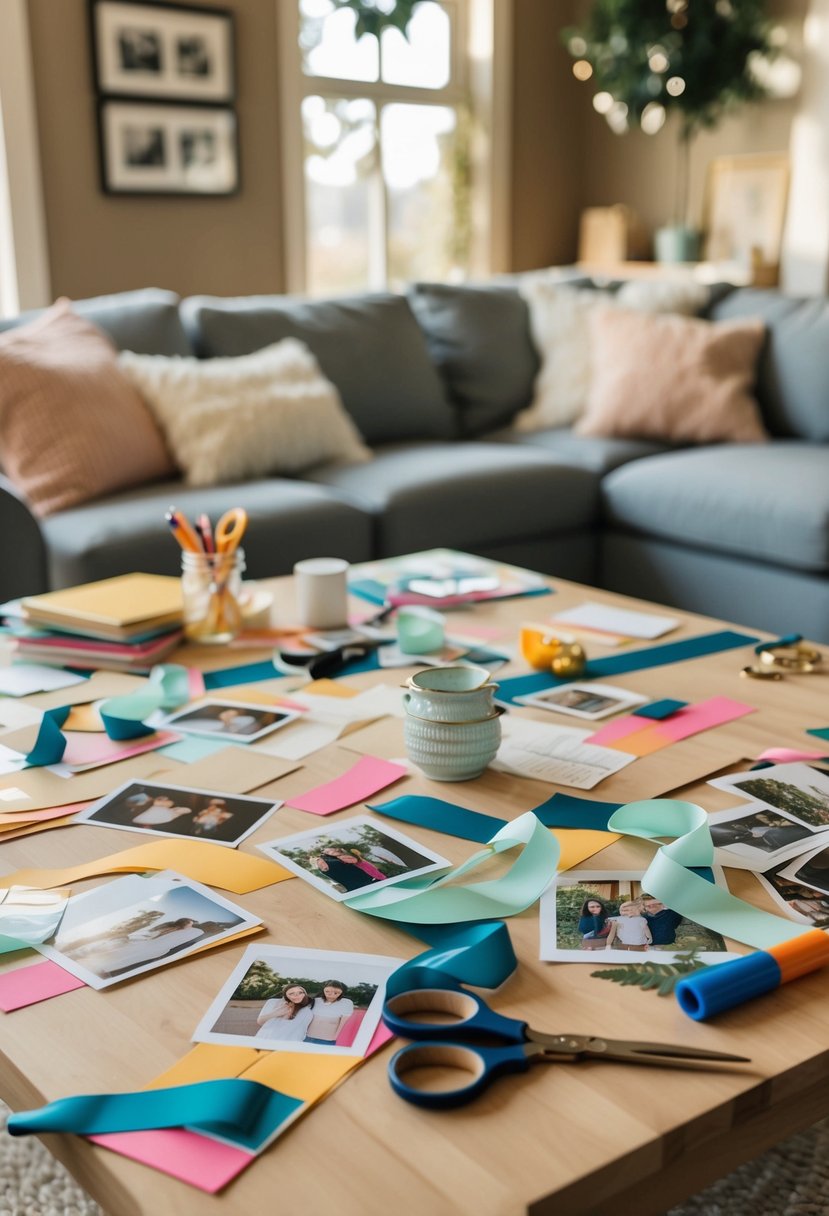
(790, 1180)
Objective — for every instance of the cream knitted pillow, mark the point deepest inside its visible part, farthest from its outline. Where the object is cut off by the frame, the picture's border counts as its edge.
(237, 418)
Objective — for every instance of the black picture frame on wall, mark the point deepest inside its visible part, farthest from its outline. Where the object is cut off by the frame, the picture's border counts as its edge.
(163, 52)
(148, 148)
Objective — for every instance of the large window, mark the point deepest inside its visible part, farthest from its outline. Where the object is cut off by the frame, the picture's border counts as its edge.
(388, 144)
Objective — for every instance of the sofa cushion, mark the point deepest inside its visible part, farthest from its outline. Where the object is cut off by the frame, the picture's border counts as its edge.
(72, 427)
(768, 502)
(593, 452)
(792, 384)
(559, 323)
(229, 419)
(289, 520)
(673, 378)
(145, 321)
(479, 338)
(369, 346)
(466, 495)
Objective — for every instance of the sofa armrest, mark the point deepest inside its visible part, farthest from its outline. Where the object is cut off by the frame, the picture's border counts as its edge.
(23, 567)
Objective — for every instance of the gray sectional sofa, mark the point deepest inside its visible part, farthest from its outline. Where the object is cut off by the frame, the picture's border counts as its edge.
(433, 381)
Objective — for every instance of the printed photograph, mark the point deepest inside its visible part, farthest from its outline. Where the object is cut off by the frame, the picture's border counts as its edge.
(144, 146)
(193, 56)
(231, 720)
(798, 790)
(800, 902)
(356, 855)
(138, 50)
(280, 998)
(136, 924)
(178, 810)
(594, 917)
(752, 838)
(812, 870)
(590, 701)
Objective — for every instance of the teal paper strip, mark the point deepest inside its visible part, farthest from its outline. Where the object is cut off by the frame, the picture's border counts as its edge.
(521, 886)
(8, 945)
(232, 1105)
(671, 879)
(440, 816)
(567, 811)
(659, 709)
(822, 732)
(637, 660)
(247, 673)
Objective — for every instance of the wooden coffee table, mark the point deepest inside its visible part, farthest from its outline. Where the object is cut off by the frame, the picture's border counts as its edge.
(574, 1138)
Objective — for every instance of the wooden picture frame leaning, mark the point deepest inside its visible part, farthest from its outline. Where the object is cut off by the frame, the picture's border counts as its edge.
(745, 211)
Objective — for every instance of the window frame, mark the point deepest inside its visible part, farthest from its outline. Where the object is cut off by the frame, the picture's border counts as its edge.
(480, 75)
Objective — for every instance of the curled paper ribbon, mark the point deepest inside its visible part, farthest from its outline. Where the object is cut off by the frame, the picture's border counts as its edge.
(50, 743)
(168, 688)
(423, 901)
(479, 955)
(670, 877)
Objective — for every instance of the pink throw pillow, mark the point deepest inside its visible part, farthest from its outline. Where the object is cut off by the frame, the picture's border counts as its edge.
(674, 378)
(72, 427)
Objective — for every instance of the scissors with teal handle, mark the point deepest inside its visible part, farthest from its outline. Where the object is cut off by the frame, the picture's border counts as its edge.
(421, 1072)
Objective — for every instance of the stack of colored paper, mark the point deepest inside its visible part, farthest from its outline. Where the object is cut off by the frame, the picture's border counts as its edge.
(127, 623)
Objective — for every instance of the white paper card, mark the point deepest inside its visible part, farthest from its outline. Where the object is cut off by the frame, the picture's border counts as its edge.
(557, 754)
(23, 678)
(646, 625)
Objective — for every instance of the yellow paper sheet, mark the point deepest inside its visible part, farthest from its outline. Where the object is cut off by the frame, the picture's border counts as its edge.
(227, 869)
(206, 1062)
(85, 718)
(37, 827)
(301, 1075)
(330, 688)
(578, 843)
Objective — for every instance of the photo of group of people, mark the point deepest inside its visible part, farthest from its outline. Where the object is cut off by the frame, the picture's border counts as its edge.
(281, 998)
(801, 902)
(177, 810)
(592, 914)
(355, 855)
(589, 701)
(135, 924)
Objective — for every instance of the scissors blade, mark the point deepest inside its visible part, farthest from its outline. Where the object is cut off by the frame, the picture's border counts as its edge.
(656, 1053)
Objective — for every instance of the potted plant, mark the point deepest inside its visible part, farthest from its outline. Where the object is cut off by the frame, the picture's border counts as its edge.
(648, 59)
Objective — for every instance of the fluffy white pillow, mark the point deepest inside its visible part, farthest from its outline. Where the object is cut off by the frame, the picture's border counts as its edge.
(559, 322)
(236, 418)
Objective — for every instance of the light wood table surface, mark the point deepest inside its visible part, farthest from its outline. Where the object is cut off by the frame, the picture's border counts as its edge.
(570, 1138)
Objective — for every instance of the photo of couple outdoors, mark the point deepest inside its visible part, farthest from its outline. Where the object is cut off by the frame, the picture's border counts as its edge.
(351, 860)
(271, 1007)
(618, 915)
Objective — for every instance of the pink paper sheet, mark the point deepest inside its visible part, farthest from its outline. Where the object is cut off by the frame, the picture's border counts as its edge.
(37, 982)
(366, 777)
(206, 1164)
(90, 750)
(195, 683)
(54, 812)
(790, 755)
(685, 722)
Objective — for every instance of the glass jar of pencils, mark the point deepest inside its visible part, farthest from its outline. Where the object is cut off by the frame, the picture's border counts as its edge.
(210, 587)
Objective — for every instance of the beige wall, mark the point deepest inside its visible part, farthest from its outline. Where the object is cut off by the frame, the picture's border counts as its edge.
(100, 243)
(563, 158)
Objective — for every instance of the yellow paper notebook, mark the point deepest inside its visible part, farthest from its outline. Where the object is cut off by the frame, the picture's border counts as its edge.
(114, 608)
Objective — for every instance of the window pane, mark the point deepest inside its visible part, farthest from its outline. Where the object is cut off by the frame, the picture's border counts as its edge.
(423, 58)
(329, 47)
(427, 191)
(340, 156)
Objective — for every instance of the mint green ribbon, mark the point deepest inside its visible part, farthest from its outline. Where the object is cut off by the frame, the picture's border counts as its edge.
(167, 688)
(427, 901)
(670, 880)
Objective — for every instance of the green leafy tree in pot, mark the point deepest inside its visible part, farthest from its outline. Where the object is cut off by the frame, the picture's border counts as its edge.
(647, 59)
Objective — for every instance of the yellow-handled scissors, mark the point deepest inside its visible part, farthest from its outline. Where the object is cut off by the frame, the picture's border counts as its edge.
(230, 529)
(452, 1068)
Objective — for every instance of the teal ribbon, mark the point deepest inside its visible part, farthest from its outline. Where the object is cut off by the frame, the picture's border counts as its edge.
(638, 660)
(559, 811)
(479, 955)
(244, 1112)
(50, 743)
(167, 688)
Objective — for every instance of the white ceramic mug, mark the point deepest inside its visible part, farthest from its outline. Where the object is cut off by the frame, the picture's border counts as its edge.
(322, 592)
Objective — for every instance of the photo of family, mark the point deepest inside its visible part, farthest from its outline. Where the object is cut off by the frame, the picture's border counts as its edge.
(177, 810)
(232, 720)
(751, 838)
(802, 903)
(355, 855)
(608, 918)
(590, 701)
(799, 791)
(280, 998)
(135, 924)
